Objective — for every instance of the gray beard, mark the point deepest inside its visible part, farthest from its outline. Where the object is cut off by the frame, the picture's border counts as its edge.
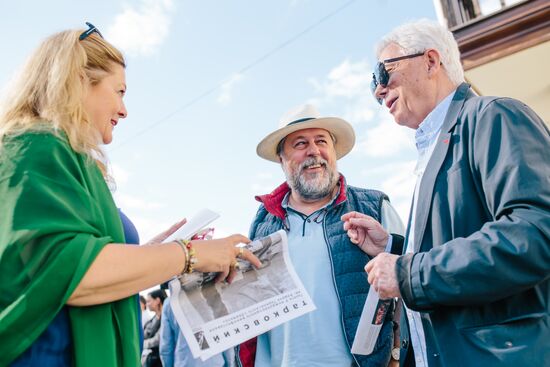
(315, 188)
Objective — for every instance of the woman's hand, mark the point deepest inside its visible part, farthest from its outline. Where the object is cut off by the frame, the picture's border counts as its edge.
(220, 255)
(365, 232)
(122, 270)
(159, 238)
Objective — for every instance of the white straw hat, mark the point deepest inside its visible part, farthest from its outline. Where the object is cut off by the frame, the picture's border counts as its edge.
(307, 117)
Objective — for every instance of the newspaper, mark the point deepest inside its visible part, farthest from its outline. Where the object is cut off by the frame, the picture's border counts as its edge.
(370, 323)
(214, 317)
(196, 224)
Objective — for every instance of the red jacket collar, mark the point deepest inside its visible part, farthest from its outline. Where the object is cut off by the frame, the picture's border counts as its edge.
(273, 201)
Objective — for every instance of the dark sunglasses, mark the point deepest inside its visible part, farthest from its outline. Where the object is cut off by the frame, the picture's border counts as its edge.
(92, 29)
(380, 76)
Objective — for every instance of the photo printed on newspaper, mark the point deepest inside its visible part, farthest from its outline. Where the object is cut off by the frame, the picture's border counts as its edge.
(214, 317)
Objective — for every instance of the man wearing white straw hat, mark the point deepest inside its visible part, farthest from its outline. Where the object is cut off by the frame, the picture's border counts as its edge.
(309, 206)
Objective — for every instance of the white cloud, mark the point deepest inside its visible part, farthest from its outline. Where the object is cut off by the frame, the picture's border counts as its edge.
(262, 188)
(400, 179)
(385, 139)
(265, 182)
(265, 175)
(119, 174)
(149, 227)
(227, 87)
(348, 80)
(129, 202)
(398, 184)
(141, 29)
(294, 3)
(361, 110)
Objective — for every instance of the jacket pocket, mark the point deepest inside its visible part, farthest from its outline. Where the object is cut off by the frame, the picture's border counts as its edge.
(519, 340)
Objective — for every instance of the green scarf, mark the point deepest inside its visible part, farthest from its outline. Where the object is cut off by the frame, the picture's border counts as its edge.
(56, 214)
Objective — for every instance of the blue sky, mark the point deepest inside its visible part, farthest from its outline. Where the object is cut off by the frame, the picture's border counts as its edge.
(207, 80)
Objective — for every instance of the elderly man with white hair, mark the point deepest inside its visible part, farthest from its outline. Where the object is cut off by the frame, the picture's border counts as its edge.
(309, 206)
(475, 276)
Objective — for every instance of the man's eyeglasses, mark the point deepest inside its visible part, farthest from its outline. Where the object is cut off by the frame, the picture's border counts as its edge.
(92, 29)
(381, 75)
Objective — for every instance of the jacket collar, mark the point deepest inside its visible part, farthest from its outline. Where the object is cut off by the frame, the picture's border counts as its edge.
(273, 201)
(463, 92)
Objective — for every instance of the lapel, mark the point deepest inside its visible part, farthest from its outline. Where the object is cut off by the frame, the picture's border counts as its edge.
(441, 148)
(408, 230)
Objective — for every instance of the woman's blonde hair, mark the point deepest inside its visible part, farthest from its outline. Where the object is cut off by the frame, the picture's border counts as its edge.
(50, 90)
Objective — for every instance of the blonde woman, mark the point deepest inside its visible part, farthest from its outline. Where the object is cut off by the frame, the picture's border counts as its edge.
(61, 237)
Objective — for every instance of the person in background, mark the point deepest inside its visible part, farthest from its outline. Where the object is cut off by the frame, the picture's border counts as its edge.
(151, 331)
(146, 315)
(142, 304)
(62, 250)
(475, 276)
(174, 350)
(309, 206)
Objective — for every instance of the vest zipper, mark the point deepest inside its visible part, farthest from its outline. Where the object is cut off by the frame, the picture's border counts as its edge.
(336, 289)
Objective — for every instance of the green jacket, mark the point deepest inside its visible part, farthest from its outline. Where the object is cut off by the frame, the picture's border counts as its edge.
(56, 215)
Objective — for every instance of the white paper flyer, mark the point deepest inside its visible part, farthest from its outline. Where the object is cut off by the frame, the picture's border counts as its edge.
(370, 323)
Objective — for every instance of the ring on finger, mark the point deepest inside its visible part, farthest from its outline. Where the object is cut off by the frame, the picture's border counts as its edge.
(236, 265)
(241, 252)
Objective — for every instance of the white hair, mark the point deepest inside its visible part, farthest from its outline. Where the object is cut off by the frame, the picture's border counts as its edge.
(424, 34)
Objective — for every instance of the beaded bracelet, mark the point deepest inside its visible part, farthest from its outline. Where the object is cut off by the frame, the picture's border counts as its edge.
(192, 261)
(190, 255)
(184, 248)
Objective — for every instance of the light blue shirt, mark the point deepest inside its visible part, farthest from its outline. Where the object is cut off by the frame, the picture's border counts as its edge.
(317, 338)
(174, 350)
(426, 137)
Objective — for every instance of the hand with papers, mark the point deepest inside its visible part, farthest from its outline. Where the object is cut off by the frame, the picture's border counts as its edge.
(382, 275)
(219, 255)
(161, 237)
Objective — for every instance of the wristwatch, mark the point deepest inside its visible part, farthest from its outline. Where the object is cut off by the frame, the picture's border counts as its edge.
(395, 353)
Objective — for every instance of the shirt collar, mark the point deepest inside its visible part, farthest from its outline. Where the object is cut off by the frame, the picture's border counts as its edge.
(272, 201)
(429, 128)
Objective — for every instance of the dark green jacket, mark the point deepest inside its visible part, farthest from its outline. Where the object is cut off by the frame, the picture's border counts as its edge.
(480, 273)
(56, 215)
